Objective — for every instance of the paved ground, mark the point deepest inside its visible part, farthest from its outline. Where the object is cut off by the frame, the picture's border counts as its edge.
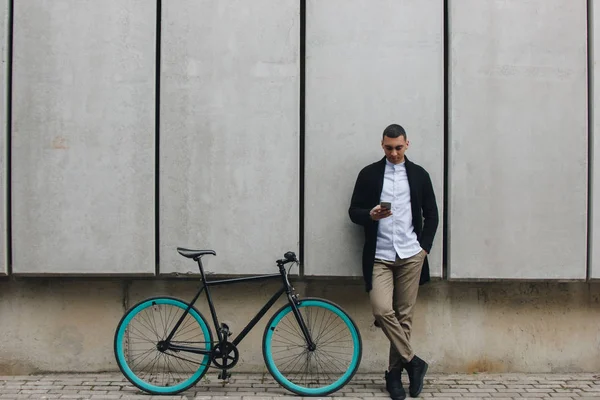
(259, 387)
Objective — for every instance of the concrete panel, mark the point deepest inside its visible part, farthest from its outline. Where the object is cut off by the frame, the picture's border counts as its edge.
(229, 133)
(369, 64)
(83, 137)
(59, 325)
(518, 139)
(4, 34)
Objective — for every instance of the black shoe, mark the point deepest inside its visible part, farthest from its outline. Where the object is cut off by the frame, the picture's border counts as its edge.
(416, 370)
(393, 384)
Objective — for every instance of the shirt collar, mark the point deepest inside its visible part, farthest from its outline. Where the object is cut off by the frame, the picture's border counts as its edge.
(394, 166)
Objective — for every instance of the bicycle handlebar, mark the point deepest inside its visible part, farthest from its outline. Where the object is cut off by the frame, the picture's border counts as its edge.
(289, 257)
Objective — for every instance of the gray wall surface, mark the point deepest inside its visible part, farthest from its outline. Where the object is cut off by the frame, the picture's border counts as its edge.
(518, 139)
(83, 137)
(368, 64)
(68, 325)
(84, 168)
(84, 145)
(58, 326)
(4, 35)
(229, 133)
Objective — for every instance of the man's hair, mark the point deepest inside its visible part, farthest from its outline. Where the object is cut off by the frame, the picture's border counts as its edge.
(393, 131)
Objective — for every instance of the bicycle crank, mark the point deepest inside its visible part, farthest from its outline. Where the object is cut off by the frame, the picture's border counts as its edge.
(225, 355)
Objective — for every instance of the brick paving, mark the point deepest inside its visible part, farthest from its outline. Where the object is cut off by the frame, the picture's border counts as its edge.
(263, 387)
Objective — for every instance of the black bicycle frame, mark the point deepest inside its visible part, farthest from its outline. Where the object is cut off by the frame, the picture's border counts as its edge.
(286, 288)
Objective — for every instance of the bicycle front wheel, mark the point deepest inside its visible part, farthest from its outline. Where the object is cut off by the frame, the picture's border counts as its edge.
(138, 350)
(317, 372)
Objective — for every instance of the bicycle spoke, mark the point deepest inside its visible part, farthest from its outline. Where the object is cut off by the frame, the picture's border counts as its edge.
(148, 324)
(295, 361)
(293, 324)
(334, 335)
(292, 328)
(172, 319)
(139, 334)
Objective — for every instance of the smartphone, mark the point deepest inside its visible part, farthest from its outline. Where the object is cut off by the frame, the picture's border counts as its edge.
(386, 205)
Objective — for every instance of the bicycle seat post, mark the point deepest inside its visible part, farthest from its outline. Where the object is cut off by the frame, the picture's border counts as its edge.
(211, 306)
(199, 261)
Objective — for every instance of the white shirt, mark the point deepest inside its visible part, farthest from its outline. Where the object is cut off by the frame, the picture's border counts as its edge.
(395, 234)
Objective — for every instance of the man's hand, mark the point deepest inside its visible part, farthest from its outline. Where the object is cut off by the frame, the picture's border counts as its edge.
(378, 213)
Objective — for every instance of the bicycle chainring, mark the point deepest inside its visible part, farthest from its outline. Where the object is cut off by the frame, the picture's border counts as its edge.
(231, 355)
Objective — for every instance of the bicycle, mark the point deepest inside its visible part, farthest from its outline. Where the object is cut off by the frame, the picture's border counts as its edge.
(174, 356)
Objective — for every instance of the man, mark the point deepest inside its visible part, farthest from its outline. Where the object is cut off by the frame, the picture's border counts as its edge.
(397, 241)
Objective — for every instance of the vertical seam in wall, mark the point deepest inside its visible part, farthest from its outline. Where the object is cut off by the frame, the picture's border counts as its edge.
(445, 220)
(590, 121)
(302, 128)
(8, 139)
(157, 142)
(126, 288)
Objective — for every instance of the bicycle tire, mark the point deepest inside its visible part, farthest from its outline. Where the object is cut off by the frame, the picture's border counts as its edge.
(123, 334)
(284, 322)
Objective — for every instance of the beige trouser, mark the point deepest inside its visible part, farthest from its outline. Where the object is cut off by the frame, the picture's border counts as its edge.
(394, 294)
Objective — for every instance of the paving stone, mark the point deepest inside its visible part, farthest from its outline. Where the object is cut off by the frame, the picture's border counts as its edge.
(263, 387)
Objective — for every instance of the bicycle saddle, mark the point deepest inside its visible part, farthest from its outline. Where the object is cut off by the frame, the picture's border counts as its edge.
(194, 253)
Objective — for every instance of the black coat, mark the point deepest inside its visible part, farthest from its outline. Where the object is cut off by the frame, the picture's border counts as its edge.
(366, 195)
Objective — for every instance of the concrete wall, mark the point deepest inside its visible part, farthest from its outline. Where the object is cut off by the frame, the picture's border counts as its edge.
(375, 63)
(83, 137)
(84, 167)
(84, 141)
(58, 325)
(68, 324)
(229, 172)
(518, 139)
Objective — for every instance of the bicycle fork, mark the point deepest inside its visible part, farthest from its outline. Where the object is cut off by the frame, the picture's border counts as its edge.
(294, 304)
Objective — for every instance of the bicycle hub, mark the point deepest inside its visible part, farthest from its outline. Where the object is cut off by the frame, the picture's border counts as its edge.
(161, 346)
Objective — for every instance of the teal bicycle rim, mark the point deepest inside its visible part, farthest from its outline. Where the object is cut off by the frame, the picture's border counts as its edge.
(332, 387)
(202, 367)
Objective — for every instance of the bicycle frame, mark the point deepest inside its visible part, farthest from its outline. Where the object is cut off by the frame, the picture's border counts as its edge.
(286, 288)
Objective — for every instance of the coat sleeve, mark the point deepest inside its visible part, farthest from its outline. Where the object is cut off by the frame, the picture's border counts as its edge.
(430, 215)
(359, 209)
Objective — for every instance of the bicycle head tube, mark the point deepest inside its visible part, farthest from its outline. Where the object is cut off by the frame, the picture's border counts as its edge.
(288, 257)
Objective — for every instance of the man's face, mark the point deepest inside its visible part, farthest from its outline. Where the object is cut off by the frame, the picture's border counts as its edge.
(394, 148)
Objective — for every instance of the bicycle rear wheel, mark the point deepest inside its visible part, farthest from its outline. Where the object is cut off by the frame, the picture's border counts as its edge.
(137, 340)
(321, 371)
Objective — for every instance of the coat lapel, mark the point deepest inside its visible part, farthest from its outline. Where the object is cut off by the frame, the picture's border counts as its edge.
(410, 174)
(412, 184)
(379, 177)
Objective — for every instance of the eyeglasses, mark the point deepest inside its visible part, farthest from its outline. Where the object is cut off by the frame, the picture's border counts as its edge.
(397, 148)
